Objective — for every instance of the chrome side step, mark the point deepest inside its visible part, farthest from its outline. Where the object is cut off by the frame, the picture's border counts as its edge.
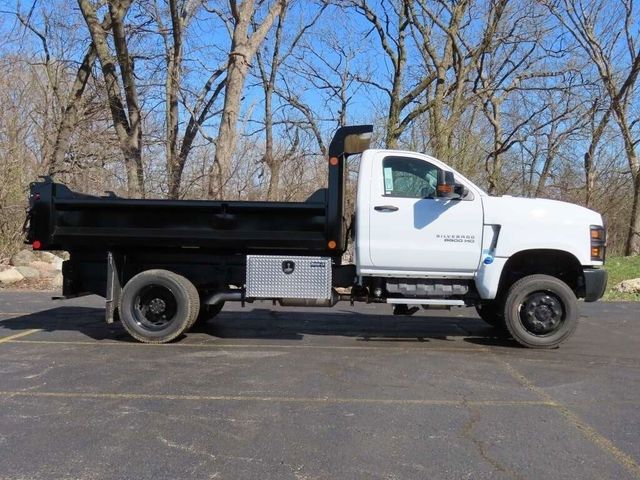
(426, 301)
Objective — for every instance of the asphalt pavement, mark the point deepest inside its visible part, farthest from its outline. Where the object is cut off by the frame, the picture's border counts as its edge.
(343, 393)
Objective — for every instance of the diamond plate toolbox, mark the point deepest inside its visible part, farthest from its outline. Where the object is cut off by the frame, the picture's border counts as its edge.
(270, 276)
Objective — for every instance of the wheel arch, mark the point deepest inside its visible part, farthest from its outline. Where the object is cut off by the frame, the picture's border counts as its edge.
(560, 264)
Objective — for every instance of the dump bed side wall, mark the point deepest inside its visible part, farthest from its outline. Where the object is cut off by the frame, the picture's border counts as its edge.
(61, 219)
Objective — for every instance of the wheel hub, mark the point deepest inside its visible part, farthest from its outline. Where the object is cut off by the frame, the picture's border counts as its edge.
(541, 313)
(157, 305)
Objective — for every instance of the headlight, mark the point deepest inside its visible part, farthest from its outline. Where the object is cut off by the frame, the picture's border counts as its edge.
(598, 242)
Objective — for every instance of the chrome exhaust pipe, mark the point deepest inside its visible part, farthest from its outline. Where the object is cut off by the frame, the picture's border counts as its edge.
(226, 296)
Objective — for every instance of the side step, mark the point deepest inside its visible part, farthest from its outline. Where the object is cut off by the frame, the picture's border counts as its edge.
(426, 301)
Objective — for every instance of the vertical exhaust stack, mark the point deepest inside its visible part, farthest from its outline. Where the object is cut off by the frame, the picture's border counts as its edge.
(346, 141)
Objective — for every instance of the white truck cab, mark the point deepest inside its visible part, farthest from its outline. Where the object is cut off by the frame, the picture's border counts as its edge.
(423, 234)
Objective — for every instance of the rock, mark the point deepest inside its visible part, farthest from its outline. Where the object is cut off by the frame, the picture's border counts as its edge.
(29, 272)
(58, 263)
(47, 270)
(49, 257)
(628, 286)
(23, 258)
(57, 281)
(10, 275)
(44, 256)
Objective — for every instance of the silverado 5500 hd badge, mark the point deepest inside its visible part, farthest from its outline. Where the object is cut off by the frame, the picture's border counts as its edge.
(457, 238)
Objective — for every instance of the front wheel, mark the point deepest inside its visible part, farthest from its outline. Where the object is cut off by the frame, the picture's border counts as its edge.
(540, 311)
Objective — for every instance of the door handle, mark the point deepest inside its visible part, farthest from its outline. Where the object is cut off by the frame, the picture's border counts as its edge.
(386, 208)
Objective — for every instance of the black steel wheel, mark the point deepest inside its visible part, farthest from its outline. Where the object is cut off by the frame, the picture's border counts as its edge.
(157, 306)
(540, 311)
(154, 307)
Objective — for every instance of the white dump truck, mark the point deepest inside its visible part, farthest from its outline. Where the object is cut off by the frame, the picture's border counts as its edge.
(423, 236)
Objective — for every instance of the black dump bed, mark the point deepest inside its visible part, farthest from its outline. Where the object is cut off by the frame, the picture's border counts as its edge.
(60, 219)
(65, 220)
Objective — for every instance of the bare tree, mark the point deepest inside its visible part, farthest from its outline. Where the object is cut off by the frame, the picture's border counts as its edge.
(515, 88)
(177, 150)
(561, 121)
(597, 128)
(450, 49)
(127, 122)
(268, 77)
(244, 44)
(608, 35)
(451, 65)
(70, 114)
(69, 117)
(392, 30)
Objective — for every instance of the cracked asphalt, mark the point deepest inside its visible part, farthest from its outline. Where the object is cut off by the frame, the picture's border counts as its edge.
(342, 393)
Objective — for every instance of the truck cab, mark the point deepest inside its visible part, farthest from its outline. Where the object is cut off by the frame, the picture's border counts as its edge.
(422, 227)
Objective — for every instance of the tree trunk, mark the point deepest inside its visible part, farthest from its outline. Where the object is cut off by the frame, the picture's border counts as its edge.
(127, 123)
(274, 181)
(494, 162)
(632, 245)
(172, 85)
(243, 49)
(545, 173)
(70, 115)
(227, 134)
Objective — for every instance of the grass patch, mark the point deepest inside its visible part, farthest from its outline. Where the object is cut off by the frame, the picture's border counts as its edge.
(622, 268)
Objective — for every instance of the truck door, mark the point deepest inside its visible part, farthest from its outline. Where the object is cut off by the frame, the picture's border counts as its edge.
(411, 229)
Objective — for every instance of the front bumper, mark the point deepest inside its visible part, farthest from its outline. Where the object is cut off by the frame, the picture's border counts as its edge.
(595, 283)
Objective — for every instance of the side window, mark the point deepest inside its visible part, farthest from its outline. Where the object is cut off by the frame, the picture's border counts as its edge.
(409, 177)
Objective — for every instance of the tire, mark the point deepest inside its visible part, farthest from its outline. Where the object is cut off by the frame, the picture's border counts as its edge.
(208, 312)
(540, 311)
(492, 312)
(157, 306)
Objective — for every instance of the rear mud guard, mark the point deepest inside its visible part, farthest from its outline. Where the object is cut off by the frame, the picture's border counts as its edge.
(114, 287)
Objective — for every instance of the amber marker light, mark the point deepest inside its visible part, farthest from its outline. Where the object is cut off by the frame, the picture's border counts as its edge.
(598, 237)
(332, 245)
(333, 161)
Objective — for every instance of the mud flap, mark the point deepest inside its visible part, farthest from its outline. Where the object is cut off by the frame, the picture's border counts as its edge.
(114, 288)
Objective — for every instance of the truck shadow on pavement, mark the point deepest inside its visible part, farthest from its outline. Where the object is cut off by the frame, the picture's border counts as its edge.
(259, 323)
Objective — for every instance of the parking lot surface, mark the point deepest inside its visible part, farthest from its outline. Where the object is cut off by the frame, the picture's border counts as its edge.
(343, 393)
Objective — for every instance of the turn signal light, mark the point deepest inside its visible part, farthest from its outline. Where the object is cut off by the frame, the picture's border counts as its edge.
(598, 242)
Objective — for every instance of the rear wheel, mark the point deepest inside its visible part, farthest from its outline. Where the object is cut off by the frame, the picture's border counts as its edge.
(492, 312)
(158, 306)
(540, 311)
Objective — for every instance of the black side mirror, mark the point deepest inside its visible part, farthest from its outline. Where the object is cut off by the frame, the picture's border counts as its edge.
(461, 190)
(446, 184)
